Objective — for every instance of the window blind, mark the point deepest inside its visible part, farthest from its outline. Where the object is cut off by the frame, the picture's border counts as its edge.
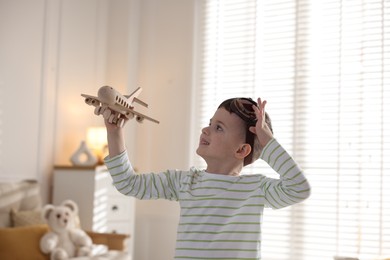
(324, 68)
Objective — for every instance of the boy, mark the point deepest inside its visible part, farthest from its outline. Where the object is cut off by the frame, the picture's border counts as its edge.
(221, 210)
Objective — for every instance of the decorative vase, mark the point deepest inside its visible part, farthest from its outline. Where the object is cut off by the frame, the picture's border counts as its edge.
(83, 156)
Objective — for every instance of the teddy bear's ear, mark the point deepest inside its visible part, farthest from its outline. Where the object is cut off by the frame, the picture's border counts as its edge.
(46, 211)
(71, 205)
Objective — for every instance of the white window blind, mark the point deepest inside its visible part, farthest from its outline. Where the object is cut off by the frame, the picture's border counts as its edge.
(324, 68)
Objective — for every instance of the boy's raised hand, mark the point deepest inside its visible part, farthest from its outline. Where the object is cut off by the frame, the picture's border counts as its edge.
(114, 126)
(261, 129)
(115, 138)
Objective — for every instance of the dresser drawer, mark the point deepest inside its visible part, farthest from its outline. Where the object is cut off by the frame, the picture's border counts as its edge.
(119, 227)
(118, 208)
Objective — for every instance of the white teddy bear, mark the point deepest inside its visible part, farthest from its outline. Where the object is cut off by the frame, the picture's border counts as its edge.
(65, 240)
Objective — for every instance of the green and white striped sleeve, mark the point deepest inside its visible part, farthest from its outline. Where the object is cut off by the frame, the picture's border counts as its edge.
(142, 186)
(292, 187)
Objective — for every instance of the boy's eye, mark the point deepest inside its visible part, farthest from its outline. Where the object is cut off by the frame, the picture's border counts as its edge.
(215, 126)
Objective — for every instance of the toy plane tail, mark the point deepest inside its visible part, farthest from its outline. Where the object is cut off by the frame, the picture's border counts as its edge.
(135, 93)
(133, 97)
(139, 101)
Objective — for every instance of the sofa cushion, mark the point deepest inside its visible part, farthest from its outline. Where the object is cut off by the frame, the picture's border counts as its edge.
(20, 243)
(26, 218)
(20, 196)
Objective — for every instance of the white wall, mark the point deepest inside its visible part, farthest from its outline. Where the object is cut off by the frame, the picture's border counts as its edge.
(21, 52)
(51, 51)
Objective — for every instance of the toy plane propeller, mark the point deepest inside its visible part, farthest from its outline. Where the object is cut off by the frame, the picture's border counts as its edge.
(116, 107)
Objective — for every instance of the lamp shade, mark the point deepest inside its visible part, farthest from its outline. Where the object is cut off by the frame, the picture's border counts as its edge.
(97, 140)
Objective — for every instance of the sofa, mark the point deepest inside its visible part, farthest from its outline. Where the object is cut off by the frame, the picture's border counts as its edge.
(21, 227)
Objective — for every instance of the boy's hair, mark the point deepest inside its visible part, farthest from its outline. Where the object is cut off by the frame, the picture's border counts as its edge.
(243, 107)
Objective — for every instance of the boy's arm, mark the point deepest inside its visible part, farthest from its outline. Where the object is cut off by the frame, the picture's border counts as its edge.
(164, 185)
(115, 139)
(126, 181)
(292, 187)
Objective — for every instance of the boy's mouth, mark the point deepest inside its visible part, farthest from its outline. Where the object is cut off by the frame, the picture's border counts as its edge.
(204, 142)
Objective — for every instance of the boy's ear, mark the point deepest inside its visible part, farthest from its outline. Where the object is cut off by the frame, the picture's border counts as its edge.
(243, 151)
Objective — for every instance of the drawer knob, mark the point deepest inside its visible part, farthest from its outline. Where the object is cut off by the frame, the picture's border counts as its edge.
(114, 208)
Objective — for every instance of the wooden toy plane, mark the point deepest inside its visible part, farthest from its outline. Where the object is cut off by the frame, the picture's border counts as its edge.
(116, 107)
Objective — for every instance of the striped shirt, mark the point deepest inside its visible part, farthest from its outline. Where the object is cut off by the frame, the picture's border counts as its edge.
(220, 215)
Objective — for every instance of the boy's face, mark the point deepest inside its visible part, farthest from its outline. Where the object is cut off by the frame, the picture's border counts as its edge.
(222, 138)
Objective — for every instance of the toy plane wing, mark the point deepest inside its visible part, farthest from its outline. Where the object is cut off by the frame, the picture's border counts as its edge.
(91, 100)
(116, 107)
(140, 117)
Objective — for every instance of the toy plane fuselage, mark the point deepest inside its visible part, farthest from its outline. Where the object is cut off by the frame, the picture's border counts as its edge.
(116, 107)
